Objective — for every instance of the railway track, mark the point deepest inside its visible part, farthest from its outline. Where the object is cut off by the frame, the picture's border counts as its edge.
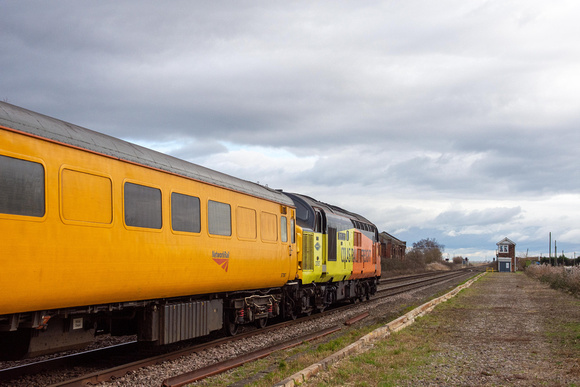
(396, 285)
(389, 287)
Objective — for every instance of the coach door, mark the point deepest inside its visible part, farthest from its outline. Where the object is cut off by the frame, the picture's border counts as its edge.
(320, 227)
(288, 239)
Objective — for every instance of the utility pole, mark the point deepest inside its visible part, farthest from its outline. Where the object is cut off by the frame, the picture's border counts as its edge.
(550, 250)
(556, 252)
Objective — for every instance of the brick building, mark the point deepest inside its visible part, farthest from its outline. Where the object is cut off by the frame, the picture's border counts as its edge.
(391, 247)
(506, 256)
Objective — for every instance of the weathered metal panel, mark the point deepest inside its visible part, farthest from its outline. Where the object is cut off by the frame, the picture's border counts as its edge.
(188, 320)
(308, 252)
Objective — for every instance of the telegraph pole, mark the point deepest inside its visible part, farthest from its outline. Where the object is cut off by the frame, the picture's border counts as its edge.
(550, 250)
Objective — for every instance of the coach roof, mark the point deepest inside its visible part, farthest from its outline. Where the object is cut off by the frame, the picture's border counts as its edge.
(56, 130)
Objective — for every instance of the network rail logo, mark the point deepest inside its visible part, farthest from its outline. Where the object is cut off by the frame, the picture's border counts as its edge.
(221, 258)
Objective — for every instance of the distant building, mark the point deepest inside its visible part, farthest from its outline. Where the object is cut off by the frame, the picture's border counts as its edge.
(506, 256)
(391, 247)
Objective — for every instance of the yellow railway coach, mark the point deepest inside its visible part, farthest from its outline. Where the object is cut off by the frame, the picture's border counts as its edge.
(102, 235)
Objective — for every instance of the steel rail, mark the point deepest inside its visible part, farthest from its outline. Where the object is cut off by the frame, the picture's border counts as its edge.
(357, 318)
(434, 279)
(66, 360)
(435, 274)
(214, 369)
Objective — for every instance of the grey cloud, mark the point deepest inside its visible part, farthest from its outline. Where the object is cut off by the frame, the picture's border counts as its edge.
(196, 150)
(481, 218)
(438, 101)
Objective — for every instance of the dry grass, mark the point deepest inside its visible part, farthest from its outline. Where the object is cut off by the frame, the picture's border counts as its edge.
(566, 278)
(436, 266)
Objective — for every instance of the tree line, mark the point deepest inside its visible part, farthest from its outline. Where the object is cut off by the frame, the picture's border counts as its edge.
(562, 260)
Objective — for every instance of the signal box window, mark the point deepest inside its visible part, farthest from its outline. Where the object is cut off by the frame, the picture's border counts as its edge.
(185, 213)
(219, 218)
(21, 187)
(142, 206)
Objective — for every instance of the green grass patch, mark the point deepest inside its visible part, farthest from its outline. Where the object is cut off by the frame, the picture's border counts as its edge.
(279, 366)
(396, 359)
(566, 335)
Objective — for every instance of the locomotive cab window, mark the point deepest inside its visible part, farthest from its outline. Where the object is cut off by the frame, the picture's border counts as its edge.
(219, 218)
(21, 187)
(142, 206)
(185, 213)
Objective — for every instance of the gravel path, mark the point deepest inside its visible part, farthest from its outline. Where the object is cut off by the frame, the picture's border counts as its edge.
(506, 330)
(500, 334)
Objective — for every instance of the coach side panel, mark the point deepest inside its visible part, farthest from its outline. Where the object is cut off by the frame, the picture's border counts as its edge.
(80, 229)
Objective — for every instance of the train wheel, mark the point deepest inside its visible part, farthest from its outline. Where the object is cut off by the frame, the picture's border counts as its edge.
(230, 325)
(261, 322)
(14, 345)
(291, 313)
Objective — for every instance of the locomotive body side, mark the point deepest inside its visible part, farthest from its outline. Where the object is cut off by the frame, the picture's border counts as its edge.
(365, 256)
(338, 259)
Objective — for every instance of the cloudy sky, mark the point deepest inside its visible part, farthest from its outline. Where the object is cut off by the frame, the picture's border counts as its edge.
(455, 120)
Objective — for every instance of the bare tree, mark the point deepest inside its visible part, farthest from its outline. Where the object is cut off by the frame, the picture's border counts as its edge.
(429, 249)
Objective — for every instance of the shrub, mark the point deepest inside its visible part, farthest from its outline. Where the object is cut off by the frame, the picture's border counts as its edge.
(564, 277)
(412, 263)
(458, 260)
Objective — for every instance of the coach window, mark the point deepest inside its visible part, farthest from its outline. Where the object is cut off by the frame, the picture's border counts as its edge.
(292, 231)
(219, 218)
(268, 227)
(21, 187)
(86, 197)
(142, 206)
(185, 213)
(284, 228)
(246, 223)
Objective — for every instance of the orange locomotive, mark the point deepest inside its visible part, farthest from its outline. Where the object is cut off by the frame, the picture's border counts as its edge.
(339, 260)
